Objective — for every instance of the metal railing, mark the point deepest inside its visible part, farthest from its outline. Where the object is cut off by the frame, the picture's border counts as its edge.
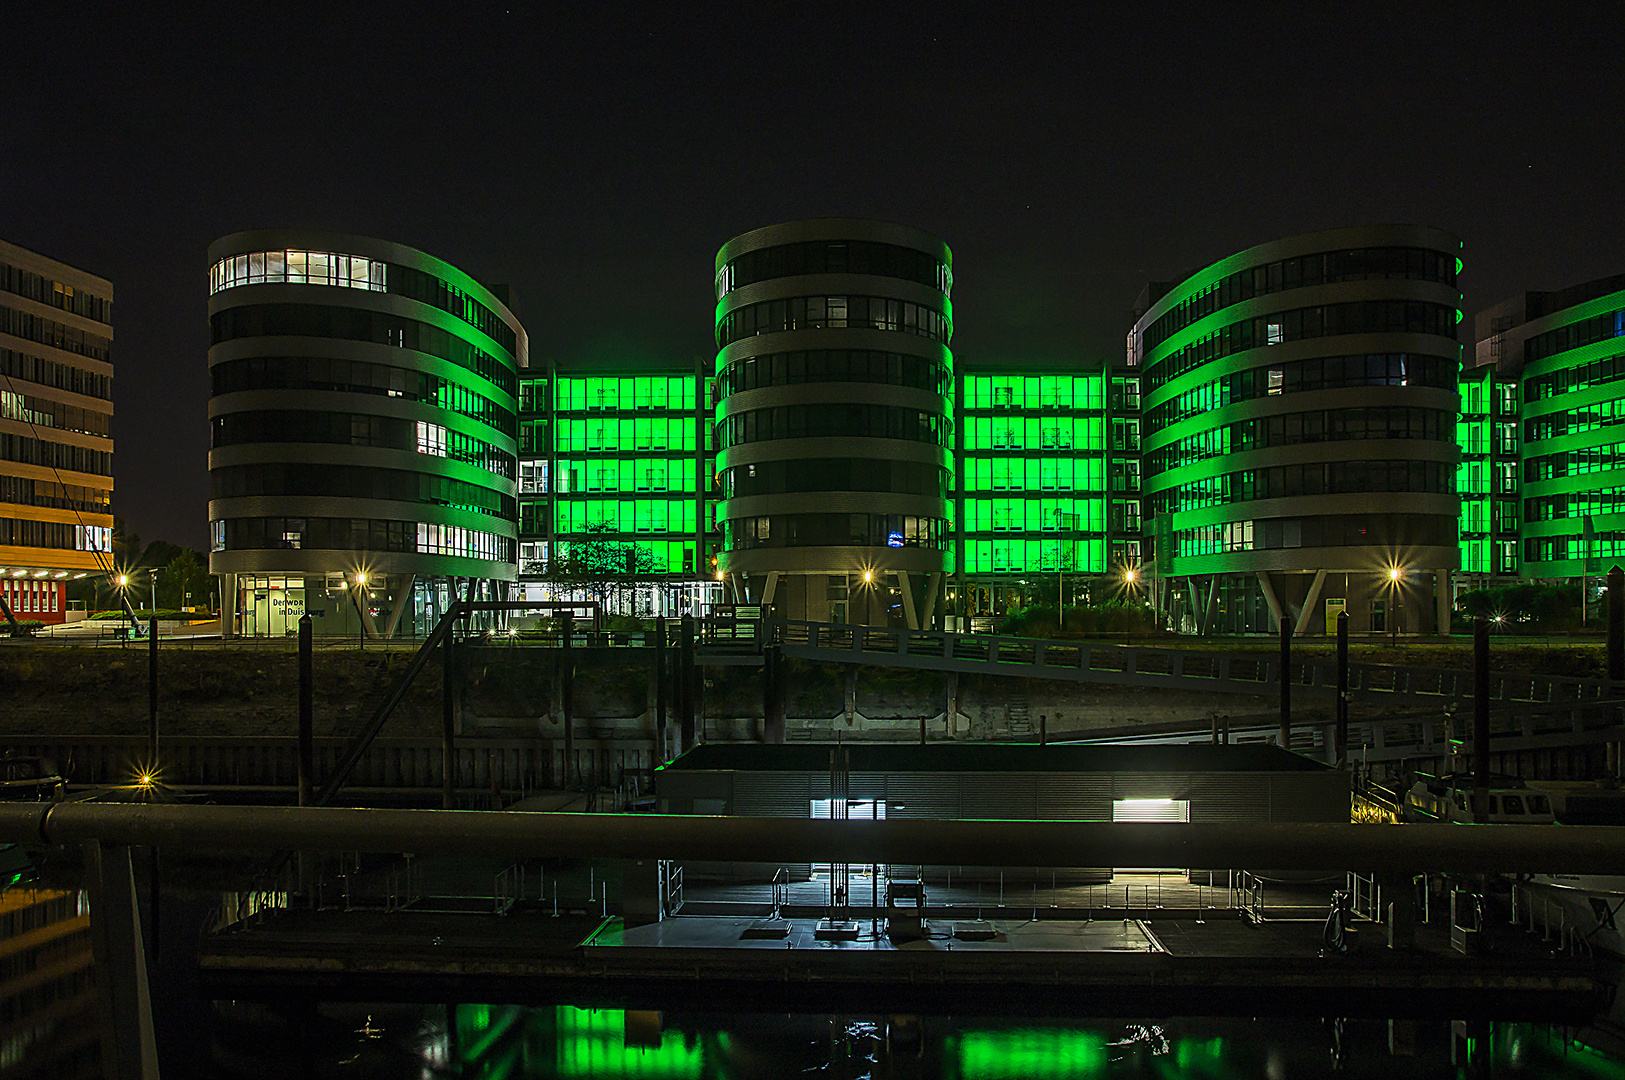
(507, 888)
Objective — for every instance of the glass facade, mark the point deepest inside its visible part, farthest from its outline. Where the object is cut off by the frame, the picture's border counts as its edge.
(56, 423)
(613, 475)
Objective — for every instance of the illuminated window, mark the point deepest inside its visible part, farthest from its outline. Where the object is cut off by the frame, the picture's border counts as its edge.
(1274, 333)
(431, 438)
(298, 267)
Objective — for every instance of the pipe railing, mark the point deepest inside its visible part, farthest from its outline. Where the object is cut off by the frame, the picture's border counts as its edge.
(1263, 845)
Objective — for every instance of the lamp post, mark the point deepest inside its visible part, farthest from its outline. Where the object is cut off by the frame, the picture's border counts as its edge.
(1130, 576)
(152, 580)
(1395, 574)
(361, 619)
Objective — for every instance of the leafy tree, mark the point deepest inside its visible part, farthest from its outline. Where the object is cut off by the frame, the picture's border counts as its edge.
(600, 565)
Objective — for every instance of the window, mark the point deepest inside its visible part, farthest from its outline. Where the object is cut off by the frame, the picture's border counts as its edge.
(431, 438)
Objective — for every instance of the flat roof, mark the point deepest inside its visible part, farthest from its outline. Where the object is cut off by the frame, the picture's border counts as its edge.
(996, 757)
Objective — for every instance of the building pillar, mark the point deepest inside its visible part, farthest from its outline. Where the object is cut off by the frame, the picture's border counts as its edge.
(403, 600)
(229, 603)
(911, 620)
(1444, 601)
(933, 593)
(1308, 612)
(1270, 599)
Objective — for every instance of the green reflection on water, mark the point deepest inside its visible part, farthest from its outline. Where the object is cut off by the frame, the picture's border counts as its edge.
(1026, 1054)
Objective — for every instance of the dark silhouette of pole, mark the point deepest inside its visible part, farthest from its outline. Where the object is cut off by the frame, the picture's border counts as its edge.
(1481, 719)
(307, 713)
(152, 695)
(448, 711)
(685, 678)
(567, 694)
(773, 696)
(1616, 623)
(1286, 682)
(661, 735)
(1342, 688)
(1043, 729)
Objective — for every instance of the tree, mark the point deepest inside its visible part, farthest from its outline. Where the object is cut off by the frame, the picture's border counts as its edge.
(598, 564)
(185, 575)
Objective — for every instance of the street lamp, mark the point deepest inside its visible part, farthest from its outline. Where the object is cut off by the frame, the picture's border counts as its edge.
(152, 580)
(1395, 575)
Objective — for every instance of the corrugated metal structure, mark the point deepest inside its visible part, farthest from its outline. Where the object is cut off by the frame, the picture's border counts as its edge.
(1009, 782)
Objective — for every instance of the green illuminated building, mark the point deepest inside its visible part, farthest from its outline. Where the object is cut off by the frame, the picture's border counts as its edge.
(1299, 449)
(614, 499)
(1487, 478)
(1563, 355)
(1047, 483)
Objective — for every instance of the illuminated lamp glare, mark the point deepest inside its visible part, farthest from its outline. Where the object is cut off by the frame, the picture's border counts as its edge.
(60, 574)
(1395, 573)
(41, 573)
(123, 580)
(79, 575)
(868, 575)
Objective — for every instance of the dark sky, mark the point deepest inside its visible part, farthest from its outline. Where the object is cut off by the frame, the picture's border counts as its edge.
(596, 156)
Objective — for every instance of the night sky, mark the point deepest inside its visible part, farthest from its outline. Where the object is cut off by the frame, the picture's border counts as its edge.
(596, 158)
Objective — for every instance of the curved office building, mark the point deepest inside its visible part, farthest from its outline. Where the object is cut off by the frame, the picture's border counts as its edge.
(1299, 414)
(834, 425)
(1567, 349)
(363, 421)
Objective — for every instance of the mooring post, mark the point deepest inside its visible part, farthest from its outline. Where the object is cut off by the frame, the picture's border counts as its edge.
(1342, 711)
(1616, 646)
(661, 746)
(567, 695)
(685, 678)
(152, 696)
(1481, 720)
(773, 703)
(1043, 729)
(307, 713)
(1286, 682)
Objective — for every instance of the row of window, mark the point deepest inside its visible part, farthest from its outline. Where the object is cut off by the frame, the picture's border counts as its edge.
(1363, 264)
(45, 413)
(835, 365)
(609, 434)
(838, 421)
(25, 491)
(358, 272)
(1053, 472)
(1481, 436)
(56, 335)
(355, 482)
(32, 451)
(1480, 392)
(644, 555)
(1580, 419)
(611, 474)
(1602, 545)
(20, 282)
(1037, 432)
(1034, 515)
(622, 516)
(358, 535)
(818, 312)
(1328, 320)
(1478, 477)
(55, 535)
(1293, 429)
(835, 530)
(834, 257)
(1397, 531)
(358, 377)
(28, 595)
(1605, 369)
(1577, 504)
(1045, 392)
(353, 324)
(1319, 478)
(1316, 373)
(35, 369)
(1591, 459)
(358, 429)
(1489, 557)
(622, 393)
(1086, 555)
(1610, 324)
(1477, 518)
(835, 474)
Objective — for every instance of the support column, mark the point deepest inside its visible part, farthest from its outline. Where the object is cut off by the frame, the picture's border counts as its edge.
(951, 707)
(567, 696)
(850, 682)
(933, 594)
(1309, 603)
(403, 600)
(910, 619)
(307, 713)
(1286, 685)
(363, 607)
(771, 589)
(1270, 599)
(661, 735)
(1342, 738)
(448, 713)
(128, 1047)
(1443, 602)
(1207, 608)
(228, 606)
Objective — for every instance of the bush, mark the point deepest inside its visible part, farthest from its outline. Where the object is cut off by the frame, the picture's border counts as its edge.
(1528, 607)
(1110, 617)
(163, 615)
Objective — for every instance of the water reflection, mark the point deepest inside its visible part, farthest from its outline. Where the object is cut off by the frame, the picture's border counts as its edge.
(497, 1042)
